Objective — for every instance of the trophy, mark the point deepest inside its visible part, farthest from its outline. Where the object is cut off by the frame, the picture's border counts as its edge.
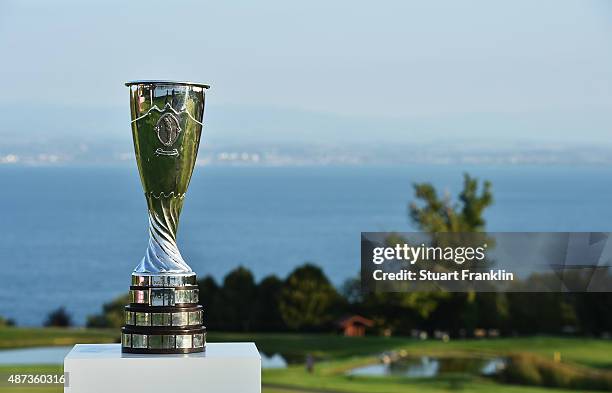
(164, 315)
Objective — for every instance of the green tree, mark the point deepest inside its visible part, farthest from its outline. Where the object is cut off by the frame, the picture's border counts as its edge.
(59, 318)
(351, 291)
(435, 214)
(593, 311)
(267, 315)
(6, 322)
(308, 299)
(210, 299)
(238, 296)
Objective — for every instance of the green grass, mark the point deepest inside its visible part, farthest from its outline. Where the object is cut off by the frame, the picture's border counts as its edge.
(338, 354)
(331, 376)
(11, 337)
(296, 346)
(589, 352)
(321, 381)
(344, 353)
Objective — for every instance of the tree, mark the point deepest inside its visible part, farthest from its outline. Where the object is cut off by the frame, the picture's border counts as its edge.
(238, 297)
(433, 214)
(266, 315)
(308, 299)
(351, 291)
(593, 311)
(58, 318)
(209, 295)
(6, 322)
(441, 215)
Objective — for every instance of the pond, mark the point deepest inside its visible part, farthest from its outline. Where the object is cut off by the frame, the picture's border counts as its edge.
(55, 355)
(40, 355)
(428, 367)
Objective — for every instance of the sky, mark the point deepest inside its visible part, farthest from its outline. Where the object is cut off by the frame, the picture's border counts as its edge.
(316, 71)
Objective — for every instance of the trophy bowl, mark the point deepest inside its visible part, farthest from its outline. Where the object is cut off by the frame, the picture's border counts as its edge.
(164, 314)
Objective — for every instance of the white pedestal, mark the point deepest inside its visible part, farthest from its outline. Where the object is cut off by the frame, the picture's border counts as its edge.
(223, 368)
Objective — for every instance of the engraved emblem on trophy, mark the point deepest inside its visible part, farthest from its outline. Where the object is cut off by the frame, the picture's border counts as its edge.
(164, 315)
(168, 129)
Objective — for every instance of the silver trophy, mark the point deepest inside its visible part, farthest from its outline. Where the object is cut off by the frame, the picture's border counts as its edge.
(164, 315)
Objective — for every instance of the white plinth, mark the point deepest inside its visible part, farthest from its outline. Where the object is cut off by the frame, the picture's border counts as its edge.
(223, 368)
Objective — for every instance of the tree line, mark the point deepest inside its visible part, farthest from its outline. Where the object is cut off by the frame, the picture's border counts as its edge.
(306, 301)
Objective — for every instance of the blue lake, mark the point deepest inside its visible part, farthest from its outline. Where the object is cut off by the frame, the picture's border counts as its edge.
(71, 236)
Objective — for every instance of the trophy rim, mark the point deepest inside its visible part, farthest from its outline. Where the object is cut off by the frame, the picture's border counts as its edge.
(162, 82)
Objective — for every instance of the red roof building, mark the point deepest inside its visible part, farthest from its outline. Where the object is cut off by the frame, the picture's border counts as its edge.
(355, 325)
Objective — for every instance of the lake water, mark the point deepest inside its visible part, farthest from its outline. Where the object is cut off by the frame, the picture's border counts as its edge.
(71, 236)
(429, 367)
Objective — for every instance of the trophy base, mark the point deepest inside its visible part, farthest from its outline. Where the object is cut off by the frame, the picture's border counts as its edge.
(163, 316)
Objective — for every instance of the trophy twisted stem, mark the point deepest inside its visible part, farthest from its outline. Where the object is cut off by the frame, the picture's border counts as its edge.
(163, 255)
